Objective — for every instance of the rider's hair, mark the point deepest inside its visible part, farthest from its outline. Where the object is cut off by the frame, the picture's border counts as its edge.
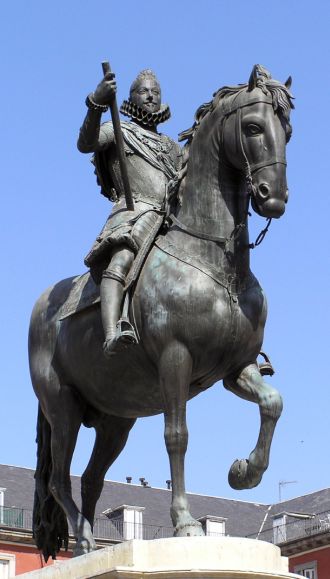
(146, 73)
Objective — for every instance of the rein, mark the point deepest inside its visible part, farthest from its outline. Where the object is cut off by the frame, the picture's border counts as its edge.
(217, 239)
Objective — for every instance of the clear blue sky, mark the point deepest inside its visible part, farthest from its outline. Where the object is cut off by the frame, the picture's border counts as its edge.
(52, 211)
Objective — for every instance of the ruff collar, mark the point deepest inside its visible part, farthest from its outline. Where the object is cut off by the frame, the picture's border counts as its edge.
(130, 109)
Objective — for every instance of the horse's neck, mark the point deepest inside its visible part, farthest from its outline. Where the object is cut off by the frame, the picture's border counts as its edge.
(214, 202)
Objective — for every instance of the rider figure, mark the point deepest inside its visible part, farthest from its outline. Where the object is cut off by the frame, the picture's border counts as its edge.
(152, 160)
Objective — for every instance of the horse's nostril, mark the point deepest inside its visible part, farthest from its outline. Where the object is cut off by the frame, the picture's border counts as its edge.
(263, 190)
(286, 196)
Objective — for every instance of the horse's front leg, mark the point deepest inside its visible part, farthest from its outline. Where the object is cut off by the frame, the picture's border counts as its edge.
(247, 473)
(175, 377)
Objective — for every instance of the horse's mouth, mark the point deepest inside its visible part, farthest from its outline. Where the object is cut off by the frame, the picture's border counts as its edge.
(273, 208)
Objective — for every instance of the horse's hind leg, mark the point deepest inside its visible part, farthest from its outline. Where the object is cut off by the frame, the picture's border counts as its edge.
(65, 413)
(251, 386)
(175, 375)
(111, 436)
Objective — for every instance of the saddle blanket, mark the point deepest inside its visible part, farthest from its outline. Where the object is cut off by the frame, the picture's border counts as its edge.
(84, 294)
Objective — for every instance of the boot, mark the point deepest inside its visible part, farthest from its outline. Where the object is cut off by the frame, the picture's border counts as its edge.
(118, 333)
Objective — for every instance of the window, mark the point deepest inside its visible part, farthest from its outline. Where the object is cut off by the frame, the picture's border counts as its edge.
(128, 521)
(308, 570)
(279, 529)
(213, 526)
(4, 569)
(7, 566)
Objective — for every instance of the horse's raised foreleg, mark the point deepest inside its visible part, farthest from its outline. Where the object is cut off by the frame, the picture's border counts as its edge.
(175, 377)
(65, 417)
(247, 473)
(111, 437)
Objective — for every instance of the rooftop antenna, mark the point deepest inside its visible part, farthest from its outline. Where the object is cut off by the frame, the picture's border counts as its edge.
(283, 483)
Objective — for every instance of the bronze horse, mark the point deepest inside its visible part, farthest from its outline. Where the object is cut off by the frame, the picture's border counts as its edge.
(198, 310)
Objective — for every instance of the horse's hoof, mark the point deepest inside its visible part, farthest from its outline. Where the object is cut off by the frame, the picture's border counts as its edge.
(237, 474)
(193, 529)
(243, 475)
(83, 548)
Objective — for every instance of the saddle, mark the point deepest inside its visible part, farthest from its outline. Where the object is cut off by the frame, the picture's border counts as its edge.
(85, 293)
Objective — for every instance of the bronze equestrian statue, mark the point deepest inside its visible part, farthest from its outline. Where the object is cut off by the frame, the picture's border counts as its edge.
(197, 311)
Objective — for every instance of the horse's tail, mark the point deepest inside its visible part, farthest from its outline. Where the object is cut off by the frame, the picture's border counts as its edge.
(50, 527)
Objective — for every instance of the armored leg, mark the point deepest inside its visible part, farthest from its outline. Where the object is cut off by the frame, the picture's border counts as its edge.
(119, 332)
(112, 292)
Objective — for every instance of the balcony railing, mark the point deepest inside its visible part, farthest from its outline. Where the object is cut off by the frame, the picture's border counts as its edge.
(104, 528)
(16, 518)
(107, 529)
(119, 530)
(295, 528)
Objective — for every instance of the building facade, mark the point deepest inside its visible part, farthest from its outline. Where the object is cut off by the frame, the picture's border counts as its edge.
(301, 526)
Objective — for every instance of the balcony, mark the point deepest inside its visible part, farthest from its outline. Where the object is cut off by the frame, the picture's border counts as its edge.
(312, 530)
(105, 529)
(116, 530)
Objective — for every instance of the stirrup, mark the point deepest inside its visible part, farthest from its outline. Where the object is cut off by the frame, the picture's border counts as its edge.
(125, 332)
(266, 368)
(125, 336)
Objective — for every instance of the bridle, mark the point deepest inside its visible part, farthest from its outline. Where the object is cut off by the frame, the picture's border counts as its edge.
(250, 168)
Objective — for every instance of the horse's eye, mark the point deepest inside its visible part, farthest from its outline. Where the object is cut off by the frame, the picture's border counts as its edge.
(253, 129)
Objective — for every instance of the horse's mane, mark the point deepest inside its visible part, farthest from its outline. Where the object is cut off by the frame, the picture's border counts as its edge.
(260, 78)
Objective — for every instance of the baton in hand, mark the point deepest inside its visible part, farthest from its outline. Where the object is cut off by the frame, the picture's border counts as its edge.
(120, 145)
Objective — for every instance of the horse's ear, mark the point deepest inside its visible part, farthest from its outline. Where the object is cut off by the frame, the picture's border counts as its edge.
(253, 78)
(288, 83)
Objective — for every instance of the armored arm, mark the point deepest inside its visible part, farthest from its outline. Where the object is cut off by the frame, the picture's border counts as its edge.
(93, 136)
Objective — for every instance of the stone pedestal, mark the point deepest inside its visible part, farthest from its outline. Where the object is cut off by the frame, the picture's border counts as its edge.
(176, 558)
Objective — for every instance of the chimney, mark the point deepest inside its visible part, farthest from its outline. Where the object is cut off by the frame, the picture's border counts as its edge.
(129, 479)
(169, 484)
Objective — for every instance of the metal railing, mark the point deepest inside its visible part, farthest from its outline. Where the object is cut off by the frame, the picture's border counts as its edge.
(104, 528)
(118, 530)
(16, 518)
(295, 528)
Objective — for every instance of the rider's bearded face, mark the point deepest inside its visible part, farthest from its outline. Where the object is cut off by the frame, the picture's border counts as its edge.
(147, 95)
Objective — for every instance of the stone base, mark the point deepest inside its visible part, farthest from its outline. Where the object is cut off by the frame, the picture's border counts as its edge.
(176, 558)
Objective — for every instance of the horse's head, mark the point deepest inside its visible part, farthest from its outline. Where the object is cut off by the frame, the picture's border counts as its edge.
(256, 128)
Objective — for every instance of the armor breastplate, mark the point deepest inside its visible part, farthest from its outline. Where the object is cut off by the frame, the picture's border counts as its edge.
(152, 160)
(147, 182)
